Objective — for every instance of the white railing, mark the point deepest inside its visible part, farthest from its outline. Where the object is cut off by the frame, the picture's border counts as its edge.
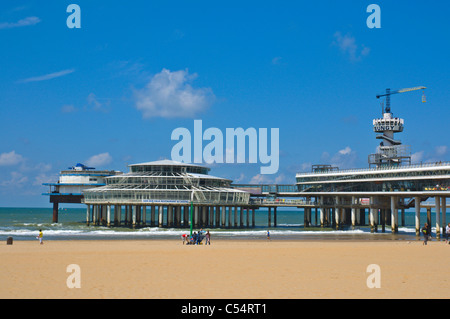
(376, 169)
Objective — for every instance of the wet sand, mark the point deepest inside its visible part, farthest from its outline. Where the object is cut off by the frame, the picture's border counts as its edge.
(231, 269)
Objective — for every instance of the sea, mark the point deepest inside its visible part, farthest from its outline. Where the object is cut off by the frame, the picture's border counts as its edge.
(25, 223)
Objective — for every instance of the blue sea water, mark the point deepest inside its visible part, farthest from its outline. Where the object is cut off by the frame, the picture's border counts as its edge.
(25, 223)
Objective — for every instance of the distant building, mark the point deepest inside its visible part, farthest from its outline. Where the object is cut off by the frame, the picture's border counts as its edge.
(72, 182)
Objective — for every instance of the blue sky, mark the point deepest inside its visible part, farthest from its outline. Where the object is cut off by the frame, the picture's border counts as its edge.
(111, 93)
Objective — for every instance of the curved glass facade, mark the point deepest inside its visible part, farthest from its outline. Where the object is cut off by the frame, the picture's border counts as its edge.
(166, 182)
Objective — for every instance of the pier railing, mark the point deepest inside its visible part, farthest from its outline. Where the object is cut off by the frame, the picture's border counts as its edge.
(376, 169)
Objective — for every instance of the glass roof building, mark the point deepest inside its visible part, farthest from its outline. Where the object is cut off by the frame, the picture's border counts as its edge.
(169, 187)
(166, 182)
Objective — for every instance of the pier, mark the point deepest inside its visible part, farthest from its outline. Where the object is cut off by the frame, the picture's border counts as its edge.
(180, 195)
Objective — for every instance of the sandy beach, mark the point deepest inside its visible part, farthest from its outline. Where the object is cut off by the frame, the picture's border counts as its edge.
(226, 269)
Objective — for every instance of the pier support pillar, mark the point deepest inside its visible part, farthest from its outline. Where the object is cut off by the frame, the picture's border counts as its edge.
(218, 219)
(241, 217)
(235, 216)
(337, 212)
(372, 221)
(180, 219)
(195, 217)
(253, 217)
(444, 212)
(269, 217)
(144, 215)
(94, 215)
(353, 212)
(133, 217)
(394, 215)
(383, 220)
(438, 217)
(160, 216)
(88, 210)
(152, 215)
(248, 217)
(322, 215)
(275, 217)
(55, 212)
(321, 211)
(169, 216)
(203, 220)
(402, 212)
(417, 208)
(307, 213)
(108, 216)
(186, 216)
(224, 216)
(116, 213)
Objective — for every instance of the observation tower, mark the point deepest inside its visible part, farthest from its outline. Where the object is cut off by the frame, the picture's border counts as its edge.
(391, 152)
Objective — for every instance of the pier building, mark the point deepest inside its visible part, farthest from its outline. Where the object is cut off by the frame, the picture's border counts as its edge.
(71, 184)
(166, 190)
(390, 184)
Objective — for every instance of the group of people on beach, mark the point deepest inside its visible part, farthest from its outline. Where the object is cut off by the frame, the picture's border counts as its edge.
(426, 231)
(197, 238)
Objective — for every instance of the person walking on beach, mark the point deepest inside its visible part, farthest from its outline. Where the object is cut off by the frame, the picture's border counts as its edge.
(268, 235)
(447, 233)
(425, 232)
(185, 238)
(40, 237)
(208, 238)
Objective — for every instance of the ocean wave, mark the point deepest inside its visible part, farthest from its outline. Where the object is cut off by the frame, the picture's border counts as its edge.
(83, 231)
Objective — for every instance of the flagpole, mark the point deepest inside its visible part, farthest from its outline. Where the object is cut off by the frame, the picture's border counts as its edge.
(191, 211)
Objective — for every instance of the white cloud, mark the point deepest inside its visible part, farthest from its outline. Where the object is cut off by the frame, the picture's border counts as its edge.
(17, 180)
(11, 158)
(44, 178)
(96, 103)
(169, 94)
(344, 158)
(441, 150)
(99, 160)
(68, 108)
(265, 179)
(48, 76)
(21, 23)
(239, 179)
(281, 179)
(417, 157)
(347, 45)
(261, 179)
(345, 151)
